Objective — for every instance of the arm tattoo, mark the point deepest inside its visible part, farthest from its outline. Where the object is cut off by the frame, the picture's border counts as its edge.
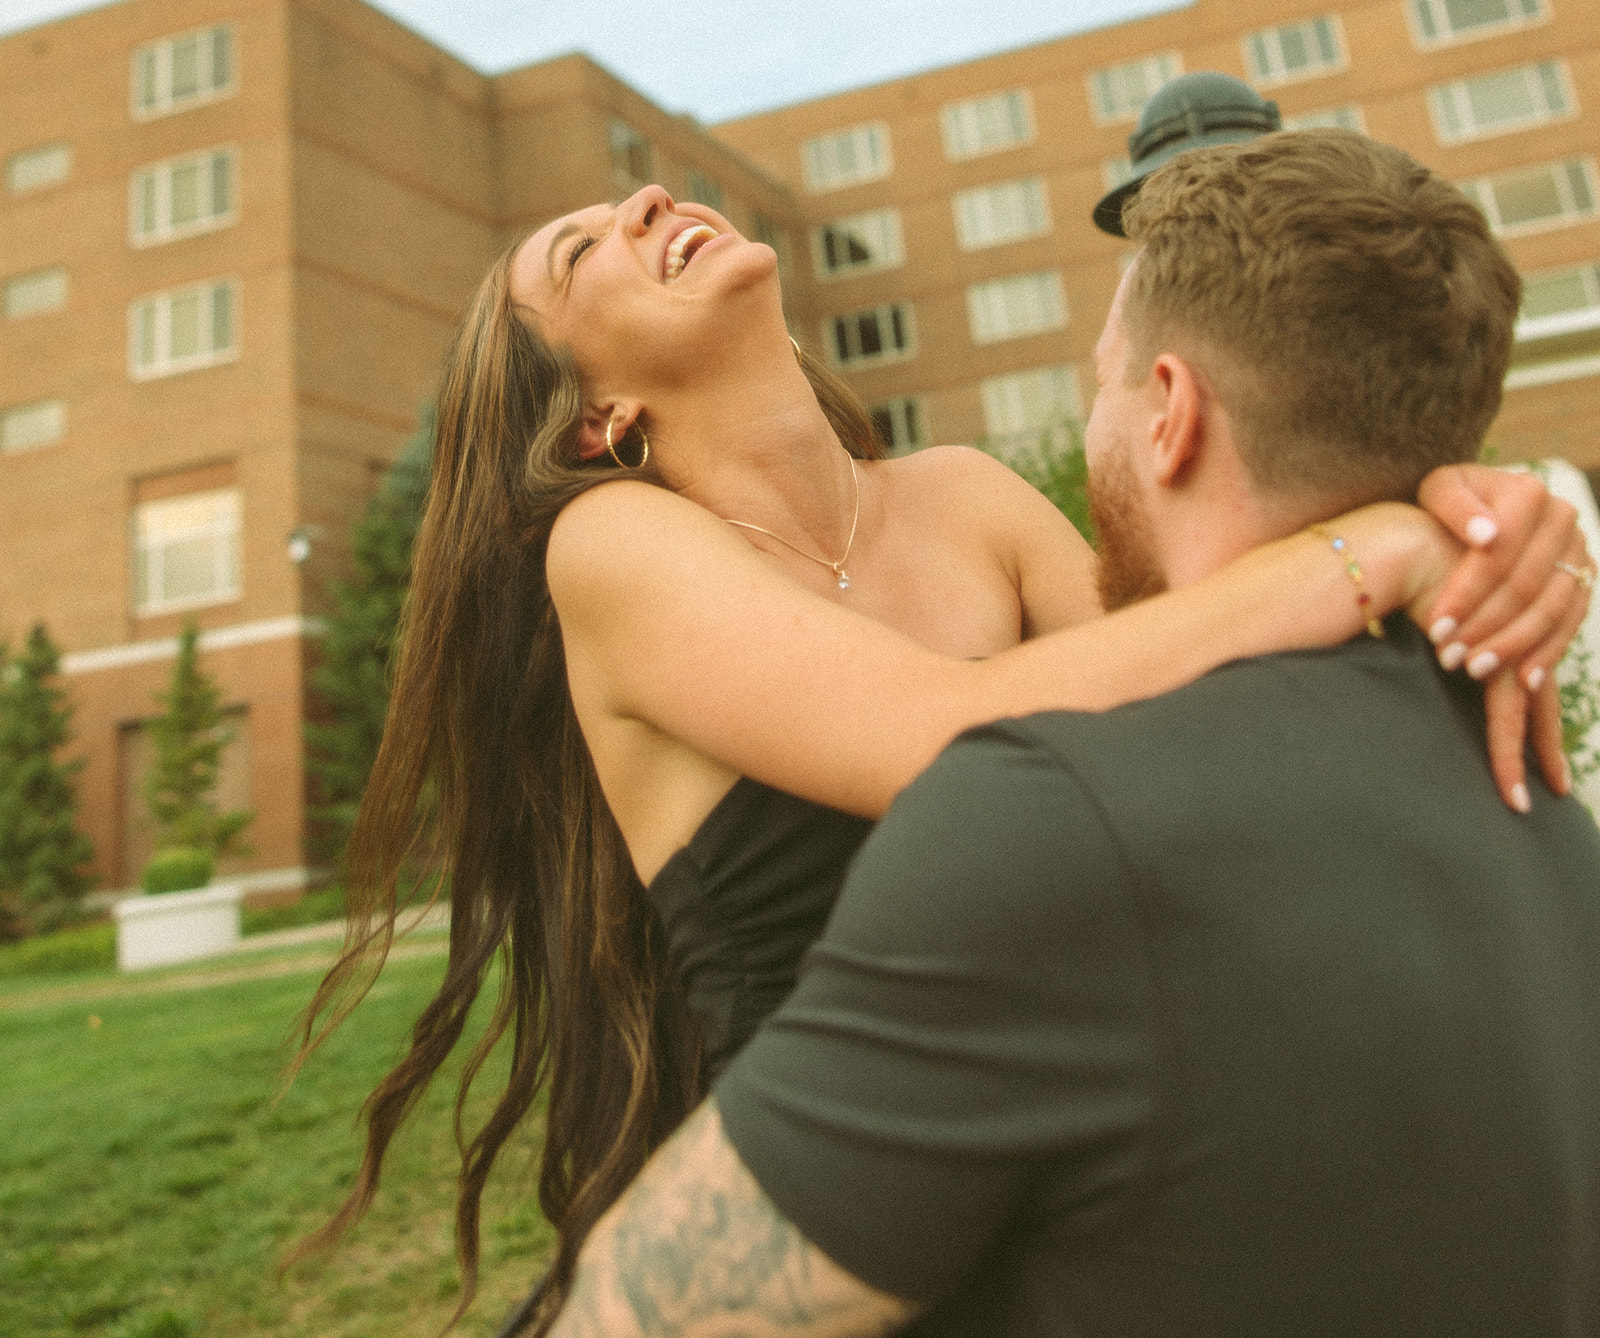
(694, 1247)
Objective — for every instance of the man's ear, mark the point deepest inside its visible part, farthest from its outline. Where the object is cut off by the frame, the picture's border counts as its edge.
(592, 428)
(1177, 435)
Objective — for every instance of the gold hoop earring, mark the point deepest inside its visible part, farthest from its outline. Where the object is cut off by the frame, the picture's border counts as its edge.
(610, 423)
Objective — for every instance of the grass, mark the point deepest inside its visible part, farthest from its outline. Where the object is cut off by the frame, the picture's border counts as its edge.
(150, 1184)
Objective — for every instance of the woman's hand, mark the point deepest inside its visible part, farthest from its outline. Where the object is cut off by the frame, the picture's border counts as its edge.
(1509, 608)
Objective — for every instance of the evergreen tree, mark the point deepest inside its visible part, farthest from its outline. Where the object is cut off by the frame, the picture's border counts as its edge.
(352, 679)
(42, 852)
(188, 738)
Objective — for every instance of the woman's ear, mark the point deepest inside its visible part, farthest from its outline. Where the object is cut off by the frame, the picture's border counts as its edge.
(592, 429)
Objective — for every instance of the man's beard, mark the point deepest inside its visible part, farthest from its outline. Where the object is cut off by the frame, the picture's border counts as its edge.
(1129, 568)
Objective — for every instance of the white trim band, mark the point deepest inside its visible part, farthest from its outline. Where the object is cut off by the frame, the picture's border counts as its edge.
(1545, 373)
(218, 638)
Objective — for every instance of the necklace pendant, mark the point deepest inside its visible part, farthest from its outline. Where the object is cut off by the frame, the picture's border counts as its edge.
(844, 581)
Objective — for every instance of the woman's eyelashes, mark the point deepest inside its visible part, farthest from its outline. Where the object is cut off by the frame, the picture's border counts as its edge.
(582, 245)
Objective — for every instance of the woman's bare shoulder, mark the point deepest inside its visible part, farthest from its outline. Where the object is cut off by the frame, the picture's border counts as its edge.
(967, 482)
(609, 537)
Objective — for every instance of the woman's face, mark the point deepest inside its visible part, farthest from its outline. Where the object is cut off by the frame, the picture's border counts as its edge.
(640, 282)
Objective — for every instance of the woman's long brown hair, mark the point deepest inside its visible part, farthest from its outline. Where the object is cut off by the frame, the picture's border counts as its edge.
(483, 782)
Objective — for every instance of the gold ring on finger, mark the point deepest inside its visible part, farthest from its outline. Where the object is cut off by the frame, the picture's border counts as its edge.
(1584, 576)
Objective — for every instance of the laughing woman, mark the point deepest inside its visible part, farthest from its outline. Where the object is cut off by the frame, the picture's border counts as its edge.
(643, 726)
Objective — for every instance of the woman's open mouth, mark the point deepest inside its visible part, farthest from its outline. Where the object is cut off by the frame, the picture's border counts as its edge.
(683, 247)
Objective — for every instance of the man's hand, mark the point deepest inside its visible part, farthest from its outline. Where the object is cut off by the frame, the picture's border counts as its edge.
(695, 1248)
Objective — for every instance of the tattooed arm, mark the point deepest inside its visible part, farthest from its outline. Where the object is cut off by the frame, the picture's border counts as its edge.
(695, 1248)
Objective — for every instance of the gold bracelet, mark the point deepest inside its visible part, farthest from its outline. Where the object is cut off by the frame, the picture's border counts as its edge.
(1357, 576)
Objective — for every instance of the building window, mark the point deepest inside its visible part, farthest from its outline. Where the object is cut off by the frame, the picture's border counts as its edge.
(181, 197)
(1498, 103)
(1119, 92)
(769, 232)
(899, 424)
(703, 190)
(859, 244)
(986, 125)
(1453, 20)
(630, 157)
(1024, 304)
(1022, 409)
(1561, 301)
(878, 334)
(30, 294)
(34, 169)
(186, 551)
(1115, 172)
(994, 215)
(1531, 199)
(847, 157)
(180, 330)
(1294, 51)
(29, 426)
(1329, 118)
(182, 71)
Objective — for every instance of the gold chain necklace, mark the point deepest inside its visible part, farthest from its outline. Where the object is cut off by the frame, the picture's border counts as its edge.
(836, 567)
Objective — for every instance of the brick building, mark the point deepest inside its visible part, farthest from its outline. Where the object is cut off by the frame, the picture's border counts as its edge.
(235, 236)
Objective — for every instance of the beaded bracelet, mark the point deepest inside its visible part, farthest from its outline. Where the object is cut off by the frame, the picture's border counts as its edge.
(1357, 577)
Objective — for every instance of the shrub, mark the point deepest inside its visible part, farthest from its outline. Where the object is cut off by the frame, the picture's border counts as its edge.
(90, 948)
(177, 869)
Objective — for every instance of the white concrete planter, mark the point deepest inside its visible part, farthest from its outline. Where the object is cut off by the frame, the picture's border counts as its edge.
(168, 927)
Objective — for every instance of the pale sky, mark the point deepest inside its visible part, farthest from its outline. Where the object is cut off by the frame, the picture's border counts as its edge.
(718, 59)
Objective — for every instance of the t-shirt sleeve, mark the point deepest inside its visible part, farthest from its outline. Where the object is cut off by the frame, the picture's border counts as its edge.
(968, 1041)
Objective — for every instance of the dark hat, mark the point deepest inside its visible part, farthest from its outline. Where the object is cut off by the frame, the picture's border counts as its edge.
(1192, 112)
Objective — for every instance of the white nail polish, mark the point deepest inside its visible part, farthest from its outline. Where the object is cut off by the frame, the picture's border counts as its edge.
(1481, 531)
(1442, 630)
(1452, 655)
(1535, 679)
(1519, 798)
(1483, 664)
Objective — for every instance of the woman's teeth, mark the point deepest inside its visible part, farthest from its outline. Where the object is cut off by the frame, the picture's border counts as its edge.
(683, 247)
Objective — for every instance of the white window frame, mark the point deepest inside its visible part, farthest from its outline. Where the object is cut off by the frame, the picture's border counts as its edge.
(836, 329)
(1000, 213)
(977, 127)
(224, 528)
(1423, 14)
(997, 308)
(1109, 101)
(1346, 116)
(153, 62)
(53, 283)
(880, 231)
(151, 185)
(868, 146)
(1010, 422)
(1116, 172)
(1572, 320)
(624, 141)
(158, 325)
(1265, 60)
(38, 168)
(1568, 174)
(1550, 97)
(908, 422)
(31, 427)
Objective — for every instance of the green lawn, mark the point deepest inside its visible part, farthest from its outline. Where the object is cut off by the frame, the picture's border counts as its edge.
(150, 1183)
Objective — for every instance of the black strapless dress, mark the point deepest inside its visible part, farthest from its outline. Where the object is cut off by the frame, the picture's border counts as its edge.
(743, 901)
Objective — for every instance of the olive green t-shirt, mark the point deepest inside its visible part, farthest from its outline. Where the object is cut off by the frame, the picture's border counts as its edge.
(1248, 1010)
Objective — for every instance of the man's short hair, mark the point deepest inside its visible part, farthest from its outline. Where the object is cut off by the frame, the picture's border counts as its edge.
(1349, 307)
